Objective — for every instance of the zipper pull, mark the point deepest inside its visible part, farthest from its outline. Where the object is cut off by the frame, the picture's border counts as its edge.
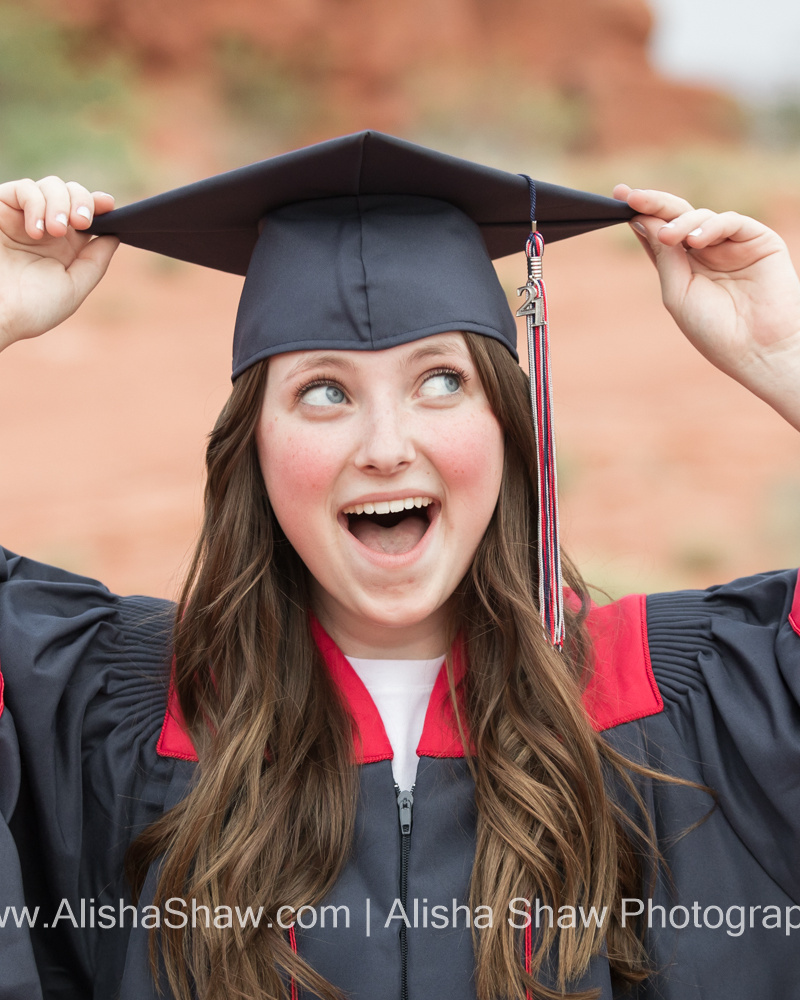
(405, 802)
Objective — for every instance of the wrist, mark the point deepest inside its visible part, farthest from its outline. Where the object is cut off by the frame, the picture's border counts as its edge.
(773, 374)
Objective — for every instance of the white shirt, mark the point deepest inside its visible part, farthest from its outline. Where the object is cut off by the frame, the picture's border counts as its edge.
(401, 690)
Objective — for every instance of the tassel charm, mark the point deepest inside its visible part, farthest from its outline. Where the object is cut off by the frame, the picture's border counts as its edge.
(534, 309)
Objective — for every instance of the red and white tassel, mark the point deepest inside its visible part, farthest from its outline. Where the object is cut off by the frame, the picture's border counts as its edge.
(551, 587)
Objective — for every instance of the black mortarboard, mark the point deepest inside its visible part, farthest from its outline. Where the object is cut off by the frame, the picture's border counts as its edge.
(365, 242)
(355, 243)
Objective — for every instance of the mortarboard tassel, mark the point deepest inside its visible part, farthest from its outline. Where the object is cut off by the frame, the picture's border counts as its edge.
(534, 309)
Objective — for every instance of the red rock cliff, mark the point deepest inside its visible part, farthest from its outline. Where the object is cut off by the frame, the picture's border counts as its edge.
(371, 63)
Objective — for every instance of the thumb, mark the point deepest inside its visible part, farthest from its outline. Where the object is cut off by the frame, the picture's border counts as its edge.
(672, 263)
(91, 264)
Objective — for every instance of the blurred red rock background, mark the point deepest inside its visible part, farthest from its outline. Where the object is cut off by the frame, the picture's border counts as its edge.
(357, 64)
(670, 474)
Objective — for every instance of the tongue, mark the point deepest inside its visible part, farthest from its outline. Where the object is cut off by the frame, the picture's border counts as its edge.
(393, 541)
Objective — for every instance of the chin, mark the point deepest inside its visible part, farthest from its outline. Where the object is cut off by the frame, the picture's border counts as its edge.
(400, 614)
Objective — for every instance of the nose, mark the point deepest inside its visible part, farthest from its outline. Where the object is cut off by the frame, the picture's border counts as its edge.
(386, 445)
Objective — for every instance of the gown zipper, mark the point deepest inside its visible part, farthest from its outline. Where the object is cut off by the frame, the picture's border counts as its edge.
(405, 803)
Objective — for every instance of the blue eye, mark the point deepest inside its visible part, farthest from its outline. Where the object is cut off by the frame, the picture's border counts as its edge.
(441, 384)
(323, 395)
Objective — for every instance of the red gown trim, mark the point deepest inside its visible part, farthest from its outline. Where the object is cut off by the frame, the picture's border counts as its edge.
(173, 741)
(622, 689)
(794, 614)
(371, 742)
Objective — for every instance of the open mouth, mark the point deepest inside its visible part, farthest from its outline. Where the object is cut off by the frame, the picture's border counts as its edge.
(393, 527)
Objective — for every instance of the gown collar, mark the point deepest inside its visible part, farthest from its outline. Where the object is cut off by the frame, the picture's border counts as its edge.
(620, 689)
(440, 737)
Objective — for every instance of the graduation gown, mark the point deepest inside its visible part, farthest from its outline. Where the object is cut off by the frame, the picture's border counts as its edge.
(704, 685)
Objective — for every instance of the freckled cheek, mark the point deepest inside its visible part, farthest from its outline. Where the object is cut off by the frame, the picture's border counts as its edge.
(471, 453)
(299, 474)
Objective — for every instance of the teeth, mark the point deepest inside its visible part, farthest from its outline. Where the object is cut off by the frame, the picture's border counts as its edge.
(388, 506)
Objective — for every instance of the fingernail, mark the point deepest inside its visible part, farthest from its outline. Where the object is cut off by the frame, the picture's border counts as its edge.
(639, 228)
(61, 217)
(696, 232)
(83, 212)
(105, 194)
(668, 225)
(40, 225)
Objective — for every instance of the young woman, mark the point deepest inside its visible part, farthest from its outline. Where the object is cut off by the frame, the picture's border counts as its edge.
(365, 771)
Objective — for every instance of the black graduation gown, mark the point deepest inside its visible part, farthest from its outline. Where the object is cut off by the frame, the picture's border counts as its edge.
(703, 685)
(18, 976)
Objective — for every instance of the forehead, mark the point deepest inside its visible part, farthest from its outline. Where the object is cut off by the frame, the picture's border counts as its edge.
(294, 364)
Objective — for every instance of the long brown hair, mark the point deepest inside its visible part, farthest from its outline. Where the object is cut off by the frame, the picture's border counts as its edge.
(277, 827)
(547, 829)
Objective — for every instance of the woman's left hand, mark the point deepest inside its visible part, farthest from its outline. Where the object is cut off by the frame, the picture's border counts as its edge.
(729, 283)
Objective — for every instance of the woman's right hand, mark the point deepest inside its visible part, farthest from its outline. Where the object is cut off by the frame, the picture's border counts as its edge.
(47, 265)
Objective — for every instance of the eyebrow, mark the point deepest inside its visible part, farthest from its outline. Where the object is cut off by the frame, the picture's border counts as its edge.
(437, 351)
(333, 360)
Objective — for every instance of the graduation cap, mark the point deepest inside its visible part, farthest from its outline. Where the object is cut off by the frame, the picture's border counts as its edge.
(365, 242)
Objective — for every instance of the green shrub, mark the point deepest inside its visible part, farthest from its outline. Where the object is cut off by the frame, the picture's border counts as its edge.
(63, 109)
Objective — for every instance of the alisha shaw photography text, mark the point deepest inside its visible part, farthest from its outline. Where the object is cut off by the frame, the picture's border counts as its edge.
(733, 919)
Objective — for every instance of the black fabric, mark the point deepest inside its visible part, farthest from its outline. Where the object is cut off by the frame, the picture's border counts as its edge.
(740, 721)
(366, 273)
(19, 979)
(215, 221)
(727, 663)
(85, 681)
(86, 674)
(360, 243)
